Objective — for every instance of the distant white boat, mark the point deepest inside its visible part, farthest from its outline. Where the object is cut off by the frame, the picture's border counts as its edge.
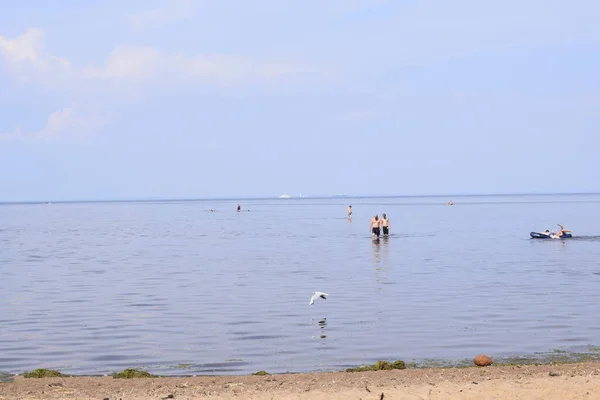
(340, 195)
(285, 196)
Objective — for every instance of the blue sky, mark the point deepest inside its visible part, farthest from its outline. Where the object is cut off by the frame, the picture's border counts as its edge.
(181, 98)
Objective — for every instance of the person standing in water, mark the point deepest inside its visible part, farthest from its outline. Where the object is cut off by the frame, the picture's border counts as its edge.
(375, 226)
(385, 224)
(239, 208)
(349, 211)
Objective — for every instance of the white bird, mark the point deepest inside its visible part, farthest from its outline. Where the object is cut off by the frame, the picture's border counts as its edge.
(316, 295)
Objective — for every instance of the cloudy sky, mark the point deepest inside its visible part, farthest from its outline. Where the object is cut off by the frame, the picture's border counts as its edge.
(106, 99)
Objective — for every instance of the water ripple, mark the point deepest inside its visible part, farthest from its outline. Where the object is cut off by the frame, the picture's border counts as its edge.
(94, 288)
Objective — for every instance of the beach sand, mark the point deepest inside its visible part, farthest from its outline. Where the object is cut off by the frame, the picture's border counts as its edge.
(549, 382)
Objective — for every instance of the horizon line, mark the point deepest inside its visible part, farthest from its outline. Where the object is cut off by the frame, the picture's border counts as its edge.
(337, 196)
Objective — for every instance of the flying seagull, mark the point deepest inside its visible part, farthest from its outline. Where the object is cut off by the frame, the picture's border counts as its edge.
(316, 295)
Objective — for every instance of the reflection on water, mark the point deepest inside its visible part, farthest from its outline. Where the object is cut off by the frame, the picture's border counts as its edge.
(95, 288)
(322, 325)
(376, 248)
(380, 251)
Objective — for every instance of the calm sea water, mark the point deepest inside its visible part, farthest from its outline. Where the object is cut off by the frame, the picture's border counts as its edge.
(176, 289)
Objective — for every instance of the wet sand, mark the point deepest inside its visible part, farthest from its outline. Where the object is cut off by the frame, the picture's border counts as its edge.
(549, 382)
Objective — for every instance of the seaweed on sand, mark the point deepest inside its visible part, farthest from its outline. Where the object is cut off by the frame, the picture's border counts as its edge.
(131, 373)
(379, 366)
(261, 373)
(42, 373)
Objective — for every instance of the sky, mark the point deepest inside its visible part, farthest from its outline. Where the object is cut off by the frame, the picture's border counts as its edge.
(107, 99)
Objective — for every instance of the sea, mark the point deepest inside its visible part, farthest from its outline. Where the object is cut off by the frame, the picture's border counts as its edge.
(196, 288)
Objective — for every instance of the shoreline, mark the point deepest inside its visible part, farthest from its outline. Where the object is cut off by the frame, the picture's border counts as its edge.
(590, 354)
(578, 380)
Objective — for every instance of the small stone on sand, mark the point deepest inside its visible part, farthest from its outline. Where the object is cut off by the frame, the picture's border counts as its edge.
(482, 360)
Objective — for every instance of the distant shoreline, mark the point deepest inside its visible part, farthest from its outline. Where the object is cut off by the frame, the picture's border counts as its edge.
(324, 197)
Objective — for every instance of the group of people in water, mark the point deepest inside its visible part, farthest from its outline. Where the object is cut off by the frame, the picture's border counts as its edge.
(377, 226)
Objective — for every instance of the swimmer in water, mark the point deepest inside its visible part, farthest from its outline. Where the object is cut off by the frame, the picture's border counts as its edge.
(349, 211)
(560, 233)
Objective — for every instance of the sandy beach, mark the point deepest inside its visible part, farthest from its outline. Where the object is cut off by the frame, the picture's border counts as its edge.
(549, 382)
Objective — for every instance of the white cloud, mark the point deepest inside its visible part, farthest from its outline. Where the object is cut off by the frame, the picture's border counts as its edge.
(125, 68)
(73, 123)
(24, 47)
(127, 62)
(14, 135)
(134, 65)
(25, 56)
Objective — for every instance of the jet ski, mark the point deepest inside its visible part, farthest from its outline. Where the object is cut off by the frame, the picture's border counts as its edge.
(546, 235)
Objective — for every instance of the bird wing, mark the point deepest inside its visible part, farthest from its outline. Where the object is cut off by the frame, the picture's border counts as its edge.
(315, 296)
